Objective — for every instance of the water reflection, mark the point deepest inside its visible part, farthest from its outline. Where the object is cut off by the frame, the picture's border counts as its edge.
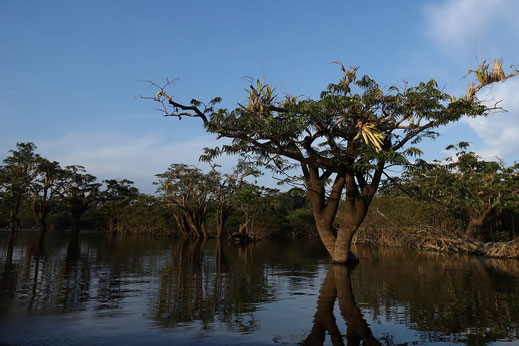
(456, 299)
(223, 285)
(268, 292)
(337, 284)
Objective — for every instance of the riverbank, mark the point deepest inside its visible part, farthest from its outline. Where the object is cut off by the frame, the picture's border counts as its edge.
(431, 239)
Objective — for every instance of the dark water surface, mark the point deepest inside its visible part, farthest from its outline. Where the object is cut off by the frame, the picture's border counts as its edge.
(97, 289)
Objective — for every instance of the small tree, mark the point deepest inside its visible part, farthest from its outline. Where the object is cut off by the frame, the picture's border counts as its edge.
(465, 183)
(342, 141)
(81, 192)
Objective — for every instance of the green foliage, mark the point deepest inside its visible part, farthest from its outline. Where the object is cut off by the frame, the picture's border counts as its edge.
(465, 183)
(342, 125)
(146, 215)
(15, 179)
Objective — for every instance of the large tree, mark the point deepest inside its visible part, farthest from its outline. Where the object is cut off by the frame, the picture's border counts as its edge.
(342, 141)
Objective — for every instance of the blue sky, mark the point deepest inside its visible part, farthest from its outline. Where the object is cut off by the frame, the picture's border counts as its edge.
(69, 70)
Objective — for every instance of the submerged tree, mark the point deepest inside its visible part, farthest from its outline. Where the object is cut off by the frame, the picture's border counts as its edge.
(118, 194)
(226, 190)
(46, 187)
(464, 182)
(81, 192)
(15, 178)
(187, 190)
(342, 141)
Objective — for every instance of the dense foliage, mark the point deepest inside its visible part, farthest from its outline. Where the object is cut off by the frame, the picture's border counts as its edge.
(466, 184)
(343, 141)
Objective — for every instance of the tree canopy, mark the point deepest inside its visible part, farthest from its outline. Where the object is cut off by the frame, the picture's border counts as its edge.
(344, 140)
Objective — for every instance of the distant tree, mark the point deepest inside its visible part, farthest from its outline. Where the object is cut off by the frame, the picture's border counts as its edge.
(15, 177)
(47, 184)
(81, 192)
(225, 190)
(251, 200)
(342, 141)
(187, 190)
(464, 182)
(117, 195)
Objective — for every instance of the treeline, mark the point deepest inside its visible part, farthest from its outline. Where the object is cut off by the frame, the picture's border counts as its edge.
(38, 193)
(462, 196)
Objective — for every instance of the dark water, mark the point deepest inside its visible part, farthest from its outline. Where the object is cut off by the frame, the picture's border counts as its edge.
(97, 289)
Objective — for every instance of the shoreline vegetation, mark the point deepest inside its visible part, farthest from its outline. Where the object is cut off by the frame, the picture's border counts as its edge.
(343, 142)
(232, 208)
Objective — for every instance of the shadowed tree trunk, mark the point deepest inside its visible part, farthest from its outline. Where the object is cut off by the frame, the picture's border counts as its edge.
(14, 221)
(77, 209)
(477, 222)
(221, 217)
(357, 200)
(112, 224)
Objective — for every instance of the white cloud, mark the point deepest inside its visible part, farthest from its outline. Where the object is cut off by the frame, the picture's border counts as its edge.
(458, 24)
(108, 155)
(500, 132)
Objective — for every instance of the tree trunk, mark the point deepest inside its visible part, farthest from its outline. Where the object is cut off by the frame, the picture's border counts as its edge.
(190, 219)
(221, 218)
(181, 223)
(14, 221)
(77, 209)
(112, 224)
(355, 211)
(204, 229)
(477, 221)
(75, 220)
(338, 243)
(42, 223)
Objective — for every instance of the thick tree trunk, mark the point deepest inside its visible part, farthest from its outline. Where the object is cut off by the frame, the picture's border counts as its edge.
(14, 221)
(477, 221)
(77, 209)
(204, 229)
(338, 243)
(75, 220)
(181, 224)
(195, 232)
(42, 223)
(112, 224)
(221, 218)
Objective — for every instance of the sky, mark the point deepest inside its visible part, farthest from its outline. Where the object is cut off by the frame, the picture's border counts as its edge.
(71, 71)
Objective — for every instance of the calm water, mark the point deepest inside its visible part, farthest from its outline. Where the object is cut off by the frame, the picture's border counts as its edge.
(97, 289)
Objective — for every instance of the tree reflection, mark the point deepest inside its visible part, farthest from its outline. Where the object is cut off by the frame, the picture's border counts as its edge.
(203, 284)
(210, 285)
(337, 284)
(73, 280)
